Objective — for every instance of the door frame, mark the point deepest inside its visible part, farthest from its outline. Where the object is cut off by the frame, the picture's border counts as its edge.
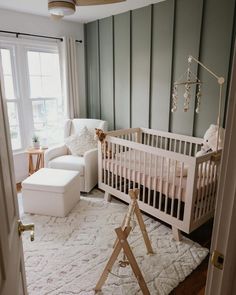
(224, 237)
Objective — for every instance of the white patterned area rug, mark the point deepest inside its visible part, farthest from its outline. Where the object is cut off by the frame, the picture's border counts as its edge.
(69, 254)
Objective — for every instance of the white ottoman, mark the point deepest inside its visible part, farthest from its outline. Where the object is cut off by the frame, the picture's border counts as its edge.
(51, 192)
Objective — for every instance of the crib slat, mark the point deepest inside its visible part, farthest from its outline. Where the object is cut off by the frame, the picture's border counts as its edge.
(112, 163)
(104, 162)
(180, 146)
(155, 183)
(148, 139)
(190, 149)
(116, 164)
(139, 174)
(180, 189)
(121, 172)
(173, 188)
(144, 176)
(207, 187)
(129, 172)
(134, 182)
(166, 143)
(161, 181)
(167, 183)
(210, 179)
(198, 192)
(175, 145)
(196, 147)
(150, 178)
(108, 161)
(153, 137)
(201, 191)
(214, 188)
(125, 167)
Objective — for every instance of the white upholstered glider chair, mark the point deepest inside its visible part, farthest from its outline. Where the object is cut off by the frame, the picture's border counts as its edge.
(59, 157)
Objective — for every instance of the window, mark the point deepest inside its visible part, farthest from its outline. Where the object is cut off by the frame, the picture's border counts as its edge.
(36, 106)
(11, 97)
(45, 95)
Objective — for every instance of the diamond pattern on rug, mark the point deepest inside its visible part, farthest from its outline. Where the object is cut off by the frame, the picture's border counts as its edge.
(69, 254)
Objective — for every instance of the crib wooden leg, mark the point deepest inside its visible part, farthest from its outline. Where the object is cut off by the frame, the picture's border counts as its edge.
(107, 197)
(176, 233)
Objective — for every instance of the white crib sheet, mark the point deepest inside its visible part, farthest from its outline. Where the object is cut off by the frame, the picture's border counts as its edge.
(153, 172)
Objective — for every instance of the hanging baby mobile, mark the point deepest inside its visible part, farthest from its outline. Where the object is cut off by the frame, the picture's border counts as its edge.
(187, 80)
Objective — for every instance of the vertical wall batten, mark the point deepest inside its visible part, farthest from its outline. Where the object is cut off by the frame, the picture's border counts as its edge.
(113, 74)
(99, 70)
(141, 28)
(93, 70)
(151, 68)
(130, 68)
(122, 70)
(106, 70)
(198, 69)
(162, 46)
(172, 65)
(187, 40)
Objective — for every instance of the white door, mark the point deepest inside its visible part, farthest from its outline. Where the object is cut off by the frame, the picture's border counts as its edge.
(224, 231)
(12, 273)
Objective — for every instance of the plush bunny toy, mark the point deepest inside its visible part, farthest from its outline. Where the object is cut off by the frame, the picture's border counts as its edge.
(210, 140)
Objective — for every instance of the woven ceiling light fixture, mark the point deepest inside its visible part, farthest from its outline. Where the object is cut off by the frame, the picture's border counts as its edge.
(61, 8)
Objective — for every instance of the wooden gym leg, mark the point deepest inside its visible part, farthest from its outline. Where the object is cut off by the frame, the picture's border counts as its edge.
(127, 218)
(111, 262)
(143, 230)
(107, 197)
(134, 196)
(133, 263)
(176, 233)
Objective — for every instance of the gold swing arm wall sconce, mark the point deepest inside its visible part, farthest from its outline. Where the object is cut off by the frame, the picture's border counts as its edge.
(188, 83)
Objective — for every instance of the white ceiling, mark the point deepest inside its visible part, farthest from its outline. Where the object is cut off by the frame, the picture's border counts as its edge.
(83, 14)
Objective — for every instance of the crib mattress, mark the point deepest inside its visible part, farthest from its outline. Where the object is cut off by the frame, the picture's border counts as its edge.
(160, 174)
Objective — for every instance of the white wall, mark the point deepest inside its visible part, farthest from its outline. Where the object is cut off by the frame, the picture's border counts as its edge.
(34, 24)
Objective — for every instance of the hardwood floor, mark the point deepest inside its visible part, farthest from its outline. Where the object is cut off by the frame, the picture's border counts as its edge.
(195, 283)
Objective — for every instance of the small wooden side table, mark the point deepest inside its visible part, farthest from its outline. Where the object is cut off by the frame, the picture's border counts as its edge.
(39, 153)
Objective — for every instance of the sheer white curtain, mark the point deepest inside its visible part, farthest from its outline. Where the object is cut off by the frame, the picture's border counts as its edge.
(70, 76)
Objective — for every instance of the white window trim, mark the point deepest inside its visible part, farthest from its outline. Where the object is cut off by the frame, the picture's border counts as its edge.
(21, 80)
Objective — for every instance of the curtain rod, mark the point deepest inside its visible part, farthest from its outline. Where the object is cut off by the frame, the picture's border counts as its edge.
(34, 35)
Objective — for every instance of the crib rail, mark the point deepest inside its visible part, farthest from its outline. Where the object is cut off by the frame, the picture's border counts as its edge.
(177, 143)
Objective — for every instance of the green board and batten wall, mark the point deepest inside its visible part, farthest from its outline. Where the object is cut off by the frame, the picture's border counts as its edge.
(134, 57)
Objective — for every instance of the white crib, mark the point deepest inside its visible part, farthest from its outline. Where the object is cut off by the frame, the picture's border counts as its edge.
(175, 186)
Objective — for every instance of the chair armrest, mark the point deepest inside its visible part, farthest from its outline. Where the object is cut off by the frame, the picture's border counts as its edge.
(91, 169)
(54, 152)
(91, 158)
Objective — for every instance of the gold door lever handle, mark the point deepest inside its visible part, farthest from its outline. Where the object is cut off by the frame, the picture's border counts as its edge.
(26, 227)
